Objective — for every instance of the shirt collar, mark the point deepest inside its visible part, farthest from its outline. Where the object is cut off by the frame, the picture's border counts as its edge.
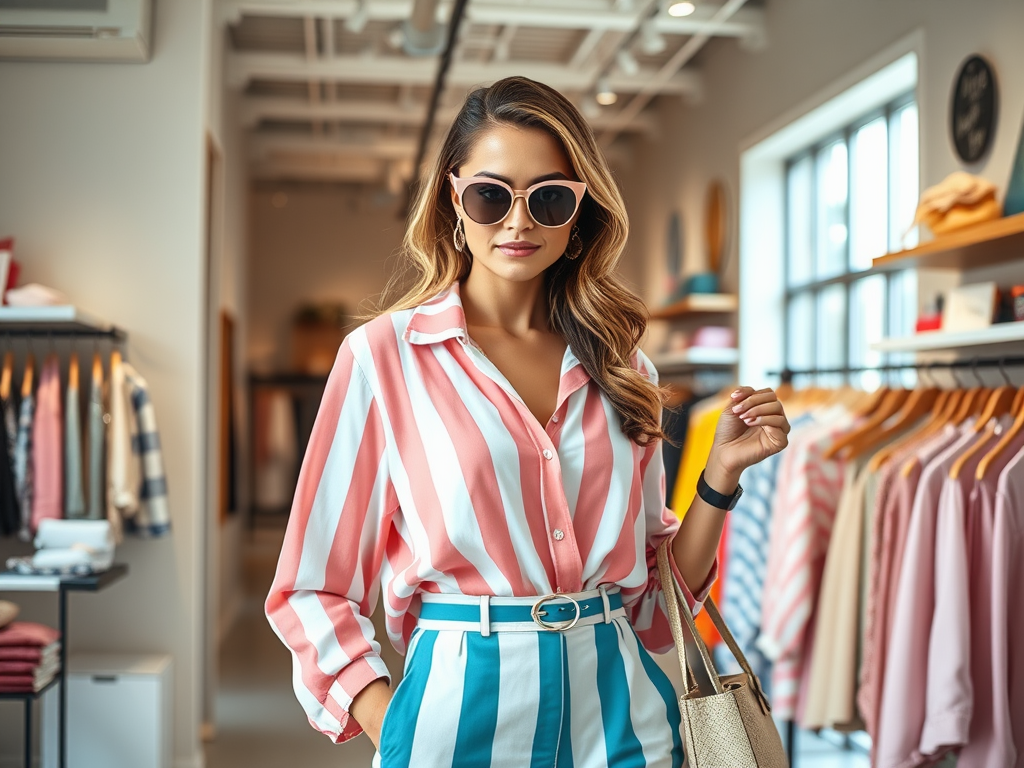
(443, 317)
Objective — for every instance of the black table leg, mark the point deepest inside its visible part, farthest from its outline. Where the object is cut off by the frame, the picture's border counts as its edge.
(28, 733)
(62, 759)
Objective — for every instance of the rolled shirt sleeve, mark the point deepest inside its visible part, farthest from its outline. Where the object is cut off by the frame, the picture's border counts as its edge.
(327, 580)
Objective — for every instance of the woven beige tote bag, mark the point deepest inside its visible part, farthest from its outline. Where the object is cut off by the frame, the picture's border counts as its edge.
(727, 721)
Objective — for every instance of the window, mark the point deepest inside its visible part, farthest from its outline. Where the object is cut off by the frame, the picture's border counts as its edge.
(849, 199)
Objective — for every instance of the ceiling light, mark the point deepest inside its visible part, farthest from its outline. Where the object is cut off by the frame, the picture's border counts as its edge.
(651, 42)
(356, 23)
(681, 9)
(605, 95)
(627, 63)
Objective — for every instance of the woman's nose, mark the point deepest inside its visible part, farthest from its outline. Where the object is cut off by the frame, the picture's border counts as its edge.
(519, 217)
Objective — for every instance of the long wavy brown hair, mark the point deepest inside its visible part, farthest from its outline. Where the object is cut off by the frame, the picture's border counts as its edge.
(590, 306)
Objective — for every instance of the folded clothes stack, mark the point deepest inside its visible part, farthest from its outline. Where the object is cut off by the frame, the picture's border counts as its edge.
(29, 657)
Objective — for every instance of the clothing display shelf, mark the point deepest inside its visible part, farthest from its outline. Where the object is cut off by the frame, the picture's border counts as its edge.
(696, 357)
(991, 242)
(62, 585)
(1000, 333)
(57, 321)
(698, 305)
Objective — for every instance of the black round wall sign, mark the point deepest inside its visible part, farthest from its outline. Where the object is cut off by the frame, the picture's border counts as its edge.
(972, 115)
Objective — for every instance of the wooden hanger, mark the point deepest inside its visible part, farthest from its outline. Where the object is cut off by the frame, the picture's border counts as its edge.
(871, 402)
(918, 404)
(990, 428)
(97, 369)
(890, 404)
(1017, 409)
(6, 375)
(73, 371)
(884, 454)
(999, 403)
(26, 379)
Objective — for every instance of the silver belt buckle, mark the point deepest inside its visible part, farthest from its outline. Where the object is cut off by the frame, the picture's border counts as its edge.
(560, 626)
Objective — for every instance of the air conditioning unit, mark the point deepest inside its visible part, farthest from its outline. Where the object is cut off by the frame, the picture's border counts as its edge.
(76, 30)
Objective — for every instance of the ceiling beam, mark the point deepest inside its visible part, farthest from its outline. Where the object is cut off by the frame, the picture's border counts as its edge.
(666, 73)
(254, 110)
(264, 147)
(563, 14)
(242, 68)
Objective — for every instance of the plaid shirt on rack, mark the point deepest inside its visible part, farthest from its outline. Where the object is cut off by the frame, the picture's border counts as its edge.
(153, 516)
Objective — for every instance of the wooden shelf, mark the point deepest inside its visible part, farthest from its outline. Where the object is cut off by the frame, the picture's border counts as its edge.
(991, 242)
(1000, 333)
(696, 356)
(698, 304)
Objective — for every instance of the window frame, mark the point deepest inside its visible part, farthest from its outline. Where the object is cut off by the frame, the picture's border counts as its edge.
(849, 277)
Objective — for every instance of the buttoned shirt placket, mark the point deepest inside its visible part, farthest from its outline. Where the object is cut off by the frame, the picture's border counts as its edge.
(562, 545)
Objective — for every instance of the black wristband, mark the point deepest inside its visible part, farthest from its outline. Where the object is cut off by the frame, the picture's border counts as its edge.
(716, 499)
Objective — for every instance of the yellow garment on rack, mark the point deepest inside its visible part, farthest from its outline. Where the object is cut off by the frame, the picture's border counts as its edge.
(700, 436)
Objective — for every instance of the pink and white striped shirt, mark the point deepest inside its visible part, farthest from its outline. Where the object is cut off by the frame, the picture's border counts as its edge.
(425, 471)
(803, 512)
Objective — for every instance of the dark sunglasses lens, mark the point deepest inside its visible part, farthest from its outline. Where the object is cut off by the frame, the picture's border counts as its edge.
(553, 205)
(486, 203)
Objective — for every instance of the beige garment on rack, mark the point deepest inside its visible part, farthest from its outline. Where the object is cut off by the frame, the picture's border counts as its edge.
(124, 474)
(832, 688)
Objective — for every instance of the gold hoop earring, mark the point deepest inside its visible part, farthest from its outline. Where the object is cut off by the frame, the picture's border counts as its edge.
(459, 236)
(575, 244)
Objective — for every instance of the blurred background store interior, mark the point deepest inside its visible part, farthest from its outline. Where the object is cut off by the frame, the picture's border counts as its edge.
(226, 181)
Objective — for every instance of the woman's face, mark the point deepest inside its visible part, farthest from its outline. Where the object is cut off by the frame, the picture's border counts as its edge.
(516, 248)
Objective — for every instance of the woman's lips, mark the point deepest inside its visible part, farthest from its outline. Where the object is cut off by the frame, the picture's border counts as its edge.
(518, 248)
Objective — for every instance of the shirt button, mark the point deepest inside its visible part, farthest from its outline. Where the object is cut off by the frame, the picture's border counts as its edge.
(547, 454)
(559, 534)
(555, 418)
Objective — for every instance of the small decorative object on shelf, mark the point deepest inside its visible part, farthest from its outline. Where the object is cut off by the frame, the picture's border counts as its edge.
(971, 307)
(1017, 294)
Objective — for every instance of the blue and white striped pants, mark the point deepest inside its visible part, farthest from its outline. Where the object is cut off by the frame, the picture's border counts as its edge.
(493, 694)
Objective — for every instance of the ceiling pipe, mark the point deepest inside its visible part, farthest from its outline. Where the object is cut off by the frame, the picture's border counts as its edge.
(458, 11)
(421, 33)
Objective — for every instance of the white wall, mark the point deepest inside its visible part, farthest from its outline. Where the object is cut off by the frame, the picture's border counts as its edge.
(326, 244)
(101, 181)
(812, 45)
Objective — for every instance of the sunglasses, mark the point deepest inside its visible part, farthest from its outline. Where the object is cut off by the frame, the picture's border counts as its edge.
(488, 201)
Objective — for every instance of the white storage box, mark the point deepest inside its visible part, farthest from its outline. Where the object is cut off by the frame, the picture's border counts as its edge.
(120, 709)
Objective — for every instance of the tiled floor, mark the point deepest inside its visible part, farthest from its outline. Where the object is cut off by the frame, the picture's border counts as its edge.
(260, 725)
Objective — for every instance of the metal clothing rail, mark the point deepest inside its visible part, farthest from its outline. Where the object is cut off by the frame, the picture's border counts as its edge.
(114, 333)
(787, 374)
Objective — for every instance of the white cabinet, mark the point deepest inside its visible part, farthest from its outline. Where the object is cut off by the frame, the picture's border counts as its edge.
(120, 711)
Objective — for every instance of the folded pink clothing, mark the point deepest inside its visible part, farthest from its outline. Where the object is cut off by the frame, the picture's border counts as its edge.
(27, 634)
(18, 667)
(16, 680)
(24, 653)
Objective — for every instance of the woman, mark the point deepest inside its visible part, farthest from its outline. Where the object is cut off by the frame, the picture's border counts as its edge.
(488, 452)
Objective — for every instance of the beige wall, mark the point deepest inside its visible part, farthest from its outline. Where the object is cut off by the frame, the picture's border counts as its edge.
(326, 244)
(102, 183)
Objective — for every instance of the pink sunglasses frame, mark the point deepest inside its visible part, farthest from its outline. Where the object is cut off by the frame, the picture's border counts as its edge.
(579, 188)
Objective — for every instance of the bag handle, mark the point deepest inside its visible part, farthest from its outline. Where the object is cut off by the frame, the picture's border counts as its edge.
(674, 599)
(670, 590)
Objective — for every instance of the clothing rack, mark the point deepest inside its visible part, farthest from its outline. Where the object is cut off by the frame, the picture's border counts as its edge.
(787, 375)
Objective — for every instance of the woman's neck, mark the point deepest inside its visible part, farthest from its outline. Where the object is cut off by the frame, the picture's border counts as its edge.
(492, 302)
